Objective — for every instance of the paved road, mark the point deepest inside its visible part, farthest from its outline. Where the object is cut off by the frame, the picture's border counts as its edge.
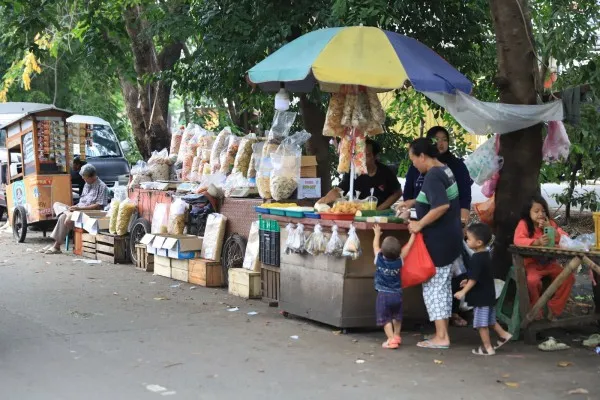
(69, 330)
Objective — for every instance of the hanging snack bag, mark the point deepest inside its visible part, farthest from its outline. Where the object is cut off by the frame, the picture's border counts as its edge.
(359, 158)
(349, 106)
(286, 163)
(263, 178)
(140, 173)
(159, 165)
(299, 240)
(345, 154)
(316, 243)
(280, 128)
(114, 214)
(484, 162)
(352, 246)
(126, 210)
(361, 115)
(187, 136)
(177, 214)
(255, 159)
(333, 120)
(335, 245)
(220, 143)
(290, 238)
(377, 111)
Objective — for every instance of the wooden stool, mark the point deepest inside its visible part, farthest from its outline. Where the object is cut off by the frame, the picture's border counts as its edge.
(507, 307)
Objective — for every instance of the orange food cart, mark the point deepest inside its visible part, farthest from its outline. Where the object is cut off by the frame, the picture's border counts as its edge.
(39, 150)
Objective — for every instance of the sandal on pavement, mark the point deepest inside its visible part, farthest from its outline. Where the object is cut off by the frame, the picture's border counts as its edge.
(397, 340)
(389, 344)
(458, 321)
(552, 345)
(53, 250)
(503, 341)
(483, 352)
(592, 341)
(427, 344)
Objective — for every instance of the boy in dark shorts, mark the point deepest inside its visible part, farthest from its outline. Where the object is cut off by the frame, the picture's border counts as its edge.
(388, 260)
(480, 291)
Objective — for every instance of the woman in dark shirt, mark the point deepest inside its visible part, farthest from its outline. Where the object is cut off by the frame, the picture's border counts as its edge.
(438, 218)
(414, 181)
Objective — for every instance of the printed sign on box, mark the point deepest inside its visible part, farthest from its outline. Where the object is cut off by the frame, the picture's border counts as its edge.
(309, 188)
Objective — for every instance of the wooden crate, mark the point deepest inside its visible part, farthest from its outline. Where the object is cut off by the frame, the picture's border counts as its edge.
(162, 266)
(145, 261)
(89, 245)
(112, 248)
(179, 274)
(205, 273)
(244, 283)
(269, 281)
(77, 241)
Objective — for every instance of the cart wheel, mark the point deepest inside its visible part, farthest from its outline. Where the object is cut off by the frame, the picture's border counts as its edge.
(2, 211)
(139, 228)
(233, 253)
(19, 224)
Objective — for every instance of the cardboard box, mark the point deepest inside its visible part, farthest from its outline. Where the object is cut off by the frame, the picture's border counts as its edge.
(309, 188)
(162, 266)
(181, 247)
(244, 283)
(180, 264)
(81, 218)
(308, 167)
(205, 273)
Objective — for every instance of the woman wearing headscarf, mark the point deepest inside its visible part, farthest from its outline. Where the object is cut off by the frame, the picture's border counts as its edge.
(414, 181)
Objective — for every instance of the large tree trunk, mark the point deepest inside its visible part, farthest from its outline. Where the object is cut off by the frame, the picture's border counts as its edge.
(318, 145)
(522, 150)
(153, 97)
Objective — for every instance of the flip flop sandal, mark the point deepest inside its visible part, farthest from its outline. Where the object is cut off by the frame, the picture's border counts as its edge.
(592, 341)
(503, 341)
(426, 344)
(552, 345)
(397, 340)
(389, 344)
(483, 352)
(53, 251)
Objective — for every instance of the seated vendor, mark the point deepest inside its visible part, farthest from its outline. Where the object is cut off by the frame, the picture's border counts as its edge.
(94, 197)
(386, 187)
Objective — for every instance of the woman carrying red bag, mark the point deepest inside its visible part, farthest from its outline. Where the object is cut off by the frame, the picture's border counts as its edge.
(438, 218)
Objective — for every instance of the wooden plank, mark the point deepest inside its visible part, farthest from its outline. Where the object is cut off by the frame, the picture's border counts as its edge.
(105, 249)
(88, 238)
(564, 322)
(105, 257)
(89, 255)
(106, 239)
(521, 278)
(548, 293)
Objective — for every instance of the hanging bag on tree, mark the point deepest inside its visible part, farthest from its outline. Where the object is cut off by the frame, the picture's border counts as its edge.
(418, 266)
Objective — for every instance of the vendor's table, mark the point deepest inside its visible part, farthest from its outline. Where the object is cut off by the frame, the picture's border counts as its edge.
(529, 312)
(338, 291)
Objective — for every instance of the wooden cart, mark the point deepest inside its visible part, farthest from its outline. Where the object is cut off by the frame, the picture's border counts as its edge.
(38, 168)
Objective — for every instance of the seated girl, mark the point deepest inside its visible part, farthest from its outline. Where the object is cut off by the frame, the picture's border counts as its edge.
(530, 232)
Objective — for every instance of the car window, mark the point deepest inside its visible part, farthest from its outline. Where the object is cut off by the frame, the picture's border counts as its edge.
(104, 143)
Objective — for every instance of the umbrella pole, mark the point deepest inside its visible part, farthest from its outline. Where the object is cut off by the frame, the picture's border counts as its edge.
(352, 168)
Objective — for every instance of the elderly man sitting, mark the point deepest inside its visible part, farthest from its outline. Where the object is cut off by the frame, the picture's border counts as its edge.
(94, 197)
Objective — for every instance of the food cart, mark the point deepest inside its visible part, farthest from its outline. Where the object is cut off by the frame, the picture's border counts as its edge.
(38, 173)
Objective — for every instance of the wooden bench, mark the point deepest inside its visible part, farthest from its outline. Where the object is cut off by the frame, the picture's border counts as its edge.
(528, 312)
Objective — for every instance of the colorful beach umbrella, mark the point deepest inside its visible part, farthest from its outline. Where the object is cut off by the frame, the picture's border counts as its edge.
(357, 55)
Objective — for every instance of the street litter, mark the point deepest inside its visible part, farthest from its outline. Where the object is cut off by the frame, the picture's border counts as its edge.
(295, 337)
(233, 309)
(252, 313)
(176, 285)
(438, 362)
(592, 341)
(553, 345)
(161, 298)
(192, 287)
(564, 364)
(88, 261)
(578, 391)
(156, 388)
(513, 385)
(359, 361)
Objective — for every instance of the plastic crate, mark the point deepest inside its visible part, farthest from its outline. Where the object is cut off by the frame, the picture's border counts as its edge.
(269, 237)
(312, 215)
(262, 210)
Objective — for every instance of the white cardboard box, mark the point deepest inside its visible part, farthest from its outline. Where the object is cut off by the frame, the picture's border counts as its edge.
(182, 247)
(81, 217)
(309, 188)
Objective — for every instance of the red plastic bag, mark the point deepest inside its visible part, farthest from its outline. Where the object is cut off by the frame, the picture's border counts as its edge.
(485, 210)
(418, 266)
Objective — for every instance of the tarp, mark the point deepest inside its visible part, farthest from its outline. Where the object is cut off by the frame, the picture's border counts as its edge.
(484, 118)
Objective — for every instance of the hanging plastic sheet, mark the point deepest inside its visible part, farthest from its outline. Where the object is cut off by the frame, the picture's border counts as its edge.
(484, 118)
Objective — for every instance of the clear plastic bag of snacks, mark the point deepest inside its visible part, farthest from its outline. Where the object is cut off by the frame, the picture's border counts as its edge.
(228, 154)
(263, 178)
(377, 111)
(359, 158)
(140, 173)
(187, 136)
(159, 165)
(299, 240)
(113, 212)
(218, 146)
(126, 210)
(160, 218)
(290, 238)
(345, 154)
(333, 120)
(335, 245)
(176, 138)
(352, 246)
(255, 159)
(177, 217)
(361, 115)
(316, 243)
(244, 154)
(286, 163)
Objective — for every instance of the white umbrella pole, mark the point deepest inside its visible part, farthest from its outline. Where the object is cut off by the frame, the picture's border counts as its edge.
(352, 168)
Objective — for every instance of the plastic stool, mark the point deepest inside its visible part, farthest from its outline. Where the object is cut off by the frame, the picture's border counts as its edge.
(507, 307)
(67, 241)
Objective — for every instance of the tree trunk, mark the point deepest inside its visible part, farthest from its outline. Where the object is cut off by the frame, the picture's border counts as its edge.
(522, 150)
(131, 96)
(318, 145)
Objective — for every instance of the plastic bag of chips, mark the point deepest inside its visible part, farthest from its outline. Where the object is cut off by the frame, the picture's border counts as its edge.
(335, 245)
(316, 243)
(126, 210)
(352, 246)
(333, 120)
(177, 217)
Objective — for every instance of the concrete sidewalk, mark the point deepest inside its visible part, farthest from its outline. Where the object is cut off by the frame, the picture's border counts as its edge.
(70, 330)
